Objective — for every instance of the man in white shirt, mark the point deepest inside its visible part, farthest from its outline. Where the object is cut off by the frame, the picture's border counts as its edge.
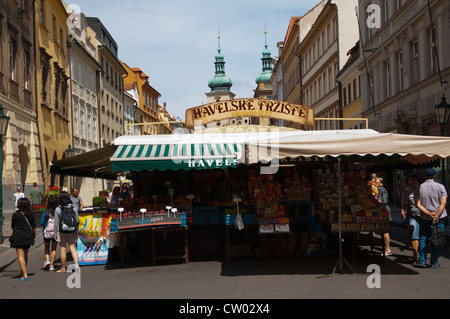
(431, 203)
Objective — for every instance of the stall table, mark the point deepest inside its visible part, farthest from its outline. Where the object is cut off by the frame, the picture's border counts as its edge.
(153, 231)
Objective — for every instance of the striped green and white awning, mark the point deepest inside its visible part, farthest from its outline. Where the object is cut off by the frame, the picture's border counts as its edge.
(176, 156)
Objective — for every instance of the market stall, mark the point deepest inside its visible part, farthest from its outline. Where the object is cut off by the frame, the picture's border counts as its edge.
(269, 201)
(296, 189)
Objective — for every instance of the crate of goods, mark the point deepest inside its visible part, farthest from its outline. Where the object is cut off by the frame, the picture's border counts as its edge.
(266, 229)
(282, 228)
(207, 215)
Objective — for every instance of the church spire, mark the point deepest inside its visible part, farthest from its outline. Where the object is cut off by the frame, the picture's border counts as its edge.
(266, 63)
(220, 82)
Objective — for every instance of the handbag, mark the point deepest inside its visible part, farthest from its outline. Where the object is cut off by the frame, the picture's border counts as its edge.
(438, 239)
(31, 228)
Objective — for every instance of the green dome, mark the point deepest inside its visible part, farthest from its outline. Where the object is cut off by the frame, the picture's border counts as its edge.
(264, 77)
(220, 82)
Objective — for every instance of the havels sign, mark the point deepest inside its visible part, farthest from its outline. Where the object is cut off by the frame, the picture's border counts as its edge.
(222, 110)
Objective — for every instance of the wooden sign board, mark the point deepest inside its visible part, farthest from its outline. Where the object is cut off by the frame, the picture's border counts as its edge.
(222, 110)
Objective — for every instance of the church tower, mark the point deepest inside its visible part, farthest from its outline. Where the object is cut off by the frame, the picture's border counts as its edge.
(220, 84)
(264, 85)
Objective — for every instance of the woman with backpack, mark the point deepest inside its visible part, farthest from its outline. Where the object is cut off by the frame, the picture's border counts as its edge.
(66, 229)
(48, 231)
(24, 231)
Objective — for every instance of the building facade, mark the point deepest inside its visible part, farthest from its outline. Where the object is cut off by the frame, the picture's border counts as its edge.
(323, 52)
(400, 78)
(84, 76)
(349, 83)
(52, 84)
(21, 153)
(110, 84)
(84, 72)
(147, 97)
(131, 115)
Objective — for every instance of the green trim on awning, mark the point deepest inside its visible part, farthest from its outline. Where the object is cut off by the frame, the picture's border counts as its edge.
(176, 156)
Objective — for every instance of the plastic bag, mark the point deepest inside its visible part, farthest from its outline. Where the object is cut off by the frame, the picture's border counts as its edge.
(239, 223)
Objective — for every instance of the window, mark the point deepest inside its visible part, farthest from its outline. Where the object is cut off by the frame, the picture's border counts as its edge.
(41, 15)
(433, 58)
(344, 94)
(88, 129)
(386, 11)
(359, 85)
(82, 122)
(400, 71)
(26, 70)
(329, 34)
(354, 89)
(415, 61)
(396, 5)
(349, 92)
(54, 29)
(387, 72)
(12, 59)
(371, 85)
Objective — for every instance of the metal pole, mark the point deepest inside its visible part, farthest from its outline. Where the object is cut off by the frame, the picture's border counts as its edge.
(1, 189)
(443, 166)
(340, 220)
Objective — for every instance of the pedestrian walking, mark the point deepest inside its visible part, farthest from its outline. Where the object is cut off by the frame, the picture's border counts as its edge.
(115, 197)
(23, 225)
(17, 195)
(35, 195)
(411, 213)
(76, 200)
(48, 232)
(125, 191)
(431, 203)
(66, 229)
(382, 195)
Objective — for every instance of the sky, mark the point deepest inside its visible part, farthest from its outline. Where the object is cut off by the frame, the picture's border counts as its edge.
(174, 42)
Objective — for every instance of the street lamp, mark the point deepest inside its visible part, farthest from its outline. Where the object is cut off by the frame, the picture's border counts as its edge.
(443, 115)
(4, 120)
(69, 152)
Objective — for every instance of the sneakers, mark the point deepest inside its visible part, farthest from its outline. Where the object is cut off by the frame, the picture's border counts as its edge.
(52, 268)
(46, 265)
(422, 265)
(418, 264)
(436, 266)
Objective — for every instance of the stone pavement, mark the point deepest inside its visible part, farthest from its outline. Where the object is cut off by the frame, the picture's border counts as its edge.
(8, 255)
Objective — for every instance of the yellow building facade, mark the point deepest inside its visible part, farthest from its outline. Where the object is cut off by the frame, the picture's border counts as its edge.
(52, 84)
(148, 97)
(349, 80)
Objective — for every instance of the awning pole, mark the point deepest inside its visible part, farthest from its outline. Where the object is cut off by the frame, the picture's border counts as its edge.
(341, 258)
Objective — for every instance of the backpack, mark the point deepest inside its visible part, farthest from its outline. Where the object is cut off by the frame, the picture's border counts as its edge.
(49, 231)
(68, 220)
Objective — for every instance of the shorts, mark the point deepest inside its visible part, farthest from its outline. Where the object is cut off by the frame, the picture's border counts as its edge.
(69, 238)
(414, 226)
